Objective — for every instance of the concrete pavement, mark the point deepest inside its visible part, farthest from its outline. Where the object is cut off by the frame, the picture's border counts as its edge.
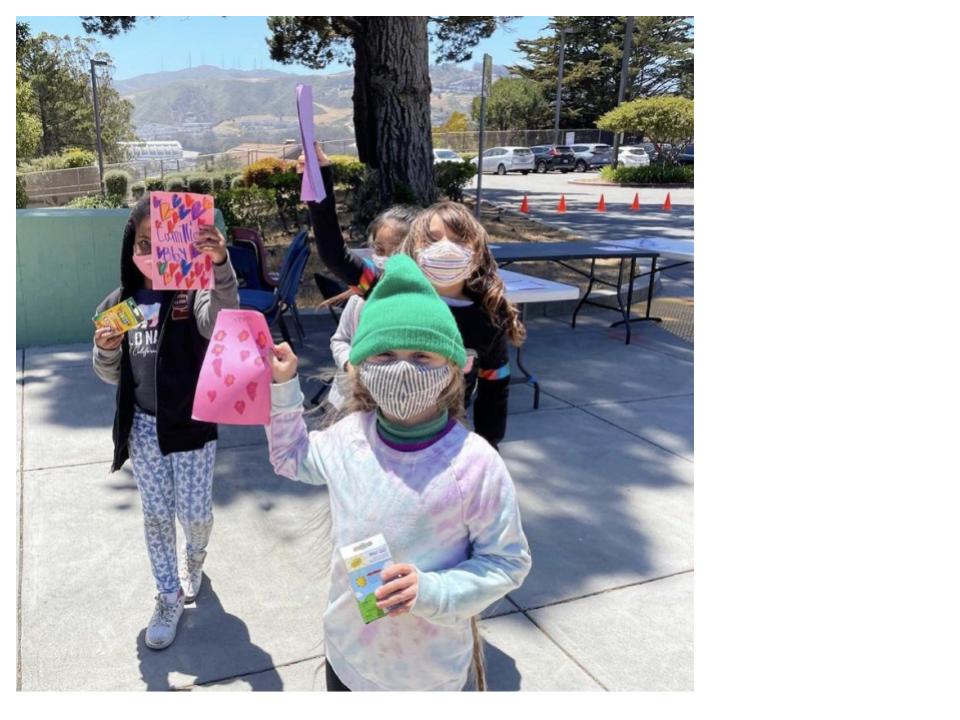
(604, 474)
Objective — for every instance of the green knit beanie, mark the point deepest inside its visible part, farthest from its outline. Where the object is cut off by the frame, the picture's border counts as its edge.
(404, 312)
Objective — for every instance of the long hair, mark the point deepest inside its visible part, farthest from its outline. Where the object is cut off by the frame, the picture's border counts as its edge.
(479, 664)
(130, 277)
(484, 282)
(450, 399)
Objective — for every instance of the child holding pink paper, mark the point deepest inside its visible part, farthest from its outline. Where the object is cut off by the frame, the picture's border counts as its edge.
(402, 465)
(155, 367)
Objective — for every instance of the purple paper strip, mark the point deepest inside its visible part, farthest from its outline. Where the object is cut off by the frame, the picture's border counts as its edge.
(312, 186)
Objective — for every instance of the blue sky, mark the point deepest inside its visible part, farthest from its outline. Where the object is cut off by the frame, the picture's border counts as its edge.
(174, 43)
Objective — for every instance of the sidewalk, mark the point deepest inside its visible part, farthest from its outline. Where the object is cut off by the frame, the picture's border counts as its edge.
(604, 472)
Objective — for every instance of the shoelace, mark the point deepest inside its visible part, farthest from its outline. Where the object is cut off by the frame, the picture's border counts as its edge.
(164, 611)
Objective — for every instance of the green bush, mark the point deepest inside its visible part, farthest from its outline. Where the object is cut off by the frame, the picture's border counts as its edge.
(217, 183)
(155, 184)
(348, 172)
(22, 198)
(95, 201)
(200, 184)
(238, 182)
(648, 174)
(259, 173)
(78, 157)
(175, 183)
(246, 207)
(449, 178)
(137, 190)
(116, 182)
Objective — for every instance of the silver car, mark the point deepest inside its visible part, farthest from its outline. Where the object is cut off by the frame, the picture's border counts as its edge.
(591, 155)
(441, 155)
(502, 160)
(633, 156)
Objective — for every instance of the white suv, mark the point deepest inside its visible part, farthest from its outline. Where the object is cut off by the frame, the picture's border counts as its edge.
(502, 160)
(632, 156)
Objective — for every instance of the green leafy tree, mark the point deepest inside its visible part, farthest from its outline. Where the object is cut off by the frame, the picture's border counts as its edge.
(457, 122)
(661, 62)
(514, 104)
(391, 94)
(58, 72)
(29, 129)
(662, 119)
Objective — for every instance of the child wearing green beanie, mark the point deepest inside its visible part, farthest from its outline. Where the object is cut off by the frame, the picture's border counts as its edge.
(400, 464)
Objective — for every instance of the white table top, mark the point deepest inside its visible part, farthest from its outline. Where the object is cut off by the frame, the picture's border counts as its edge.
(670, 249)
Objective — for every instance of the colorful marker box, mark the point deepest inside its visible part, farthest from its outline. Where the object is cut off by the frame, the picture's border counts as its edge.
(364, 561)
(120, 318)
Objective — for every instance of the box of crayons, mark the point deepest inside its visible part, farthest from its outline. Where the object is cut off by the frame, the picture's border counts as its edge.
(120, 318)
(364, 561)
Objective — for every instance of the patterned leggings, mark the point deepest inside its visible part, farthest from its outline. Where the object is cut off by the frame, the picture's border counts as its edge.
(176, 485)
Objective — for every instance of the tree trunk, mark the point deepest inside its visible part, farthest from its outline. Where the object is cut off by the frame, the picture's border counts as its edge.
(391, 108)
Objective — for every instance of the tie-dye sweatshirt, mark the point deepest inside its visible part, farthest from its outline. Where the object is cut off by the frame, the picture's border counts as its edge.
(449, 509)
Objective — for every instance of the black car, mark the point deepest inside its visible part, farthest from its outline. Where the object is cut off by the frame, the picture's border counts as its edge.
(553, 157)
(686, 155)
(652, 150)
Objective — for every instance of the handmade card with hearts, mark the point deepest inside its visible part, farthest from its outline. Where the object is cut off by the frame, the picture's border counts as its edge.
(175, 219)
(234, 383)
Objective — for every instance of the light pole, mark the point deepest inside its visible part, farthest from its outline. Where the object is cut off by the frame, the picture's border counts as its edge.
(624, 67)
(96, 118)
(556, 112)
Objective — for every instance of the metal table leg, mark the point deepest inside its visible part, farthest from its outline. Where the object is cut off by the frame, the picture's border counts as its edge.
(586, 294)
(528, 378)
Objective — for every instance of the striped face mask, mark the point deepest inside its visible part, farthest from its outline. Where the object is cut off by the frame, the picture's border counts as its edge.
(403, 389)
(445, 263)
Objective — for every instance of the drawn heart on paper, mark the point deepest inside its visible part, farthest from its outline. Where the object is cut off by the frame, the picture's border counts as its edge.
(208, 263)
(156, 200)
(207, 203)
(244, 354)
(157, 223)
(217, 366)
(163, 268)
(220, 335)
(165, 210)
(212, 394)
(188, 199)
(176, 201)
(184, 267)
(184, 211)
(240, 406)
(244, 336)
(258, 361)
(196, 211)
(252, 390)
(229, 380)
(177, 277)
(189, 282)
(261, 339)
(217, 349)
(171, 224)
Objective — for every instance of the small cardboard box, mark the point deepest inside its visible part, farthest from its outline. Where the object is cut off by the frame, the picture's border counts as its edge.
(364, 561)
(121, 317)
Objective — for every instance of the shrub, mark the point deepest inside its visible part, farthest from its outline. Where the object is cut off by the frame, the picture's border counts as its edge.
(137, 190)
(200, 184)
(78, 157)
(348, 172)
(649, 174)
(449, 178)
(286, 186)
(22, 198)
(155, 184)
(96, 201)
(216, 184)
(238, 182)
(175, 183)
(116, 182)
(259, 173)
(246, 207)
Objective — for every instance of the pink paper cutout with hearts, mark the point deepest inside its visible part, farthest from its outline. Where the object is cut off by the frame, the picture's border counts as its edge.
(229, 390)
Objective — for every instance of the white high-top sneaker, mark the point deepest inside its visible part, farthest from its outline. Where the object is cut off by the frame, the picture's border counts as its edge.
(163, 625)
(192, 576)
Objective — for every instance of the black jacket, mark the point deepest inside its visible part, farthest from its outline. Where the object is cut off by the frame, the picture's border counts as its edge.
(188, 320)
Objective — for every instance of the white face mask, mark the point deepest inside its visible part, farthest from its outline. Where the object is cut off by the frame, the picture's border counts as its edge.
(378, 260)
(403, 389)
(445, 263)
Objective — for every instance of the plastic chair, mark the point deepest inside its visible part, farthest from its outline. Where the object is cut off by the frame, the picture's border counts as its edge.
(274, 304)
(244, 262)
(249, 237)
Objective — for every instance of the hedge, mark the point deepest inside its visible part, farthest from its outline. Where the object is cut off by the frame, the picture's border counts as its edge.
(648, 174)
(116, 182)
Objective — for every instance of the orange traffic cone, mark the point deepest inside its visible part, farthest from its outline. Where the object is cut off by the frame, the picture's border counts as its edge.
(562, 205)
(636, 202)
(602, 205)
(666, 204)
(524, 206)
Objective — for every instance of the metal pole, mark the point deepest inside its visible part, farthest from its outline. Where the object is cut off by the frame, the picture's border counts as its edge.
(624, 67)
(556, 112)
(484, 92)
(96, 120)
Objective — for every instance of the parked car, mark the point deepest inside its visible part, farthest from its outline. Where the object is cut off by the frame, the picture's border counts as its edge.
(652, 151)
(591, 155)
(554, 157)
(633, 156)
(686, 155)
(445, 155)
(502, 160)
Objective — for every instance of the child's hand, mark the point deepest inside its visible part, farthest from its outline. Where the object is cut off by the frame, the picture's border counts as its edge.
(321, 156)
(212, 243)
(283, 363)
(400, 589)
(107, 338)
